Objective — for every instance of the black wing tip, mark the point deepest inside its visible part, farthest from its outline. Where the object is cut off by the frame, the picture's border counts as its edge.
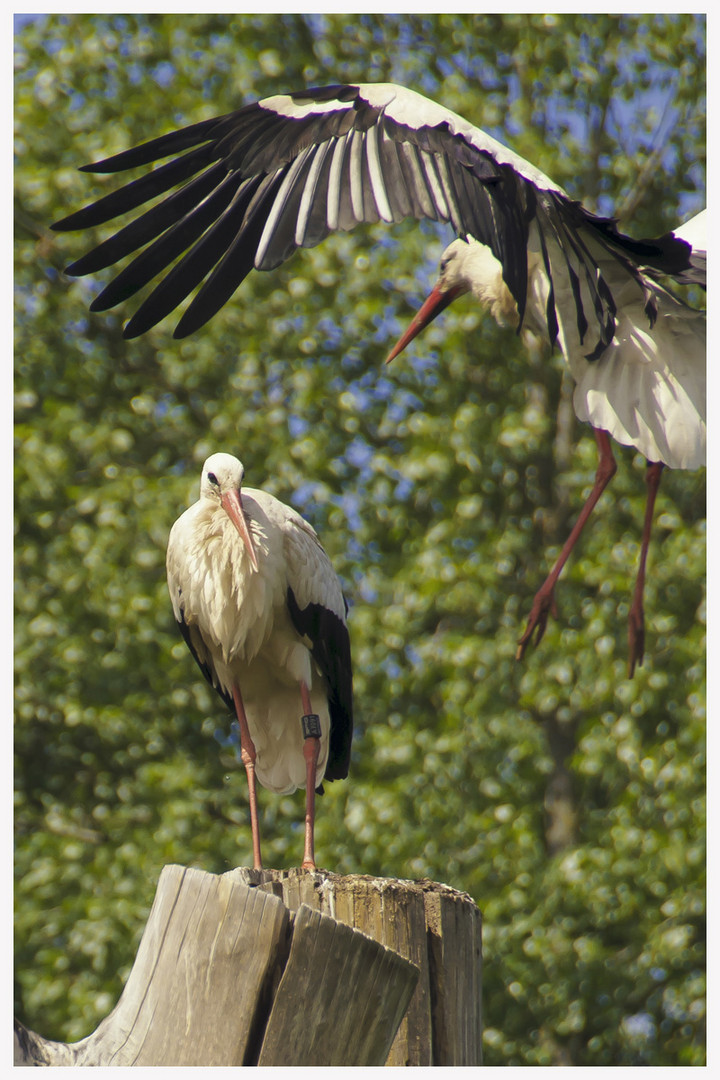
(108, 166)
(188, 324)
(78, 221)
(338, 770)
(134, 329)
(341, 734)
(98, 306)
(139, 323)
(69, 223)
(79, 268)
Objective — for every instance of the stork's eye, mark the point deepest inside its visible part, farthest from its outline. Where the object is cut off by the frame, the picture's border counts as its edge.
(213, 479)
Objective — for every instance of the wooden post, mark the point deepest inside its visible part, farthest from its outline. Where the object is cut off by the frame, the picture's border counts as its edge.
(435, 927)
(291, 968)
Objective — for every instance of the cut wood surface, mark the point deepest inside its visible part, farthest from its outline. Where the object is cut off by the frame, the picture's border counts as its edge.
(348, 989)
(434, 926)
(292, 967)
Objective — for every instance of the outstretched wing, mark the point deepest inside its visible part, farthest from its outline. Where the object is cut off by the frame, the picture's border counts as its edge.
(284, 172)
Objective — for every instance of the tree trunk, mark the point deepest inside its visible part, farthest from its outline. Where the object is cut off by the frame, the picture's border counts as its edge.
(291, 967)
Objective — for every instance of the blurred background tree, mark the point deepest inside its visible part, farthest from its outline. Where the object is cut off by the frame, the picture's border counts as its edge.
(568, 800)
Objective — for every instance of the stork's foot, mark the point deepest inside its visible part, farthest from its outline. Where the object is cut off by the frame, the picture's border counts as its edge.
(636, 638)
(543, 606)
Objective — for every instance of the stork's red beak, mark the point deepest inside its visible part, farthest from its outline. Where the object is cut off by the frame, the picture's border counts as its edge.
(231, 503)
(436, 302)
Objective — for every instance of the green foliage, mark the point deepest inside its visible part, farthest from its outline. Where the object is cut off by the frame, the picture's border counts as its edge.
(566, 799)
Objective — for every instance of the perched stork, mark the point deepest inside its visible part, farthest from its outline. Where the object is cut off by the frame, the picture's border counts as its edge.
(261, 610)
(281, 173)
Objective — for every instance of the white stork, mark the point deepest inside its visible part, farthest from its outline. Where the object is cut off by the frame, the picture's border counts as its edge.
(262, 611)
(283, 172)
(646, 387)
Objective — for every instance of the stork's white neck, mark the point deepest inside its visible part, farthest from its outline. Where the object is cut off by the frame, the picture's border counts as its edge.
(472, 265)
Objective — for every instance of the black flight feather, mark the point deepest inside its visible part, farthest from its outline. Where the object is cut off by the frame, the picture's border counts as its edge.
(330, 648)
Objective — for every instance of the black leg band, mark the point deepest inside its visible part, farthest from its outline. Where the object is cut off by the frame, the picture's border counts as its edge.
(311, 726)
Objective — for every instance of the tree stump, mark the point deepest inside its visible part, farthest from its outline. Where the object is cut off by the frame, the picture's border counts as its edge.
(435, 927)
(291, 967)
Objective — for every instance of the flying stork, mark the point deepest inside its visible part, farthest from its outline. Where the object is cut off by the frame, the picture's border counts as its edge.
(646, 388)
(262, 611)
(255, 184)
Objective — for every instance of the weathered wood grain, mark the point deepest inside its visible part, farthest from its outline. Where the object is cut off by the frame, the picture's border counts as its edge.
(455, 957)
(225, 975)
(184, 1002)
(355, 994)
(434, 926)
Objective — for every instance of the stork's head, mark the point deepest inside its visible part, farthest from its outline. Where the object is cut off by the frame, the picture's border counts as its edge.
(465, 266)
(221, 482)
(451, 284)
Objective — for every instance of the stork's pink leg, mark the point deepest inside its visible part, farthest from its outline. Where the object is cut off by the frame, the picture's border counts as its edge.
(248, 755)
(636, 619)
(311, 752)
(544, 601)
